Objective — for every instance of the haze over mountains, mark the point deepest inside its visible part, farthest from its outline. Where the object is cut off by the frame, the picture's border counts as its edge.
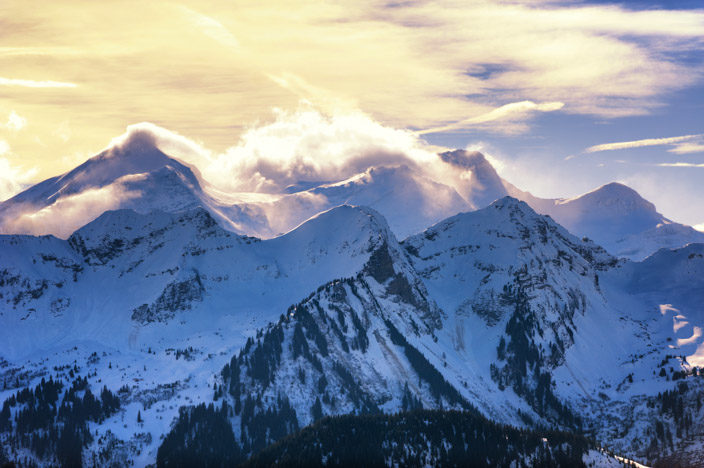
(167, 294)
(134, 173)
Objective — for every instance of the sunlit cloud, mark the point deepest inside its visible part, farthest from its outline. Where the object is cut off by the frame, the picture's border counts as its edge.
(212, 69)
(69, 213)
(12, 178)
(305, 145)
(35, 84)
(507, 112)
(680, 164)
(211, 27)
(688, 147)
(15, 122)
(641, 143)
(699, 227)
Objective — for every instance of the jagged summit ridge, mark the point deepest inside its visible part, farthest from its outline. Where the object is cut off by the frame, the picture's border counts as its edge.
(134, 172)
(155, 254)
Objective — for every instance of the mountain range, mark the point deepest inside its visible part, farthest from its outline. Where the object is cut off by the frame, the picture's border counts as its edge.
(229, 321)
(135, 174)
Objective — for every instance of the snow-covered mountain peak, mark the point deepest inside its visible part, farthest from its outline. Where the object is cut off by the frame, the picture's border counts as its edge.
(129, 224)
(613, 193)
(344, 219)
(481, 252)
(409, 200)
(355, 235)
(511, 227)
(618, 218)
(132, 173)
(134, 154)
(615, 197)
(507, 216)
(514, 206)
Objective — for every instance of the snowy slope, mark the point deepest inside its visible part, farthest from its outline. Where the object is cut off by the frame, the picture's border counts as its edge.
(125, 265)
(163, 301)
(499, 309)
(342, 348)
(617, 218)
(479, 265)
(599, 330)
(665, 235)
(409, 201)
(142, 290)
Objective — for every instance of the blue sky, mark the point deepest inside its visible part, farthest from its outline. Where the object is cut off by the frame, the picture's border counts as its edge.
(536, 161)
(550, 160)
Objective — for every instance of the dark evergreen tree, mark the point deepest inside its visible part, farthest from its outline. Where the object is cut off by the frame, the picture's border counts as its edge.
(202, 436)
(317, 409)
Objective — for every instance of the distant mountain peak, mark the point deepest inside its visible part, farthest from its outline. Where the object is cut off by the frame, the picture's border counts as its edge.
(132, 172)
(614, 194)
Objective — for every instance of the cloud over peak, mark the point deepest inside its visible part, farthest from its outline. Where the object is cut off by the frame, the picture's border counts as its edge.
(307, 145)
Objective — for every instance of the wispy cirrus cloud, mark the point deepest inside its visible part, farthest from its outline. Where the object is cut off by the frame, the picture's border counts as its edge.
(680, 164)
(684, 144)
(35, 83)
(677, 142)
(15, 122)
(12, 178)
(507, 116)
(211, 27)
(687, 147)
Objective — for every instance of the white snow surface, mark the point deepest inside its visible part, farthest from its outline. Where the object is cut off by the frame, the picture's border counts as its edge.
(168, 270)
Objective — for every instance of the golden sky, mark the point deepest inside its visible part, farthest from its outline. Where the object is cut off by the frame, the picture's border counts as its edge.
(74, 74)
